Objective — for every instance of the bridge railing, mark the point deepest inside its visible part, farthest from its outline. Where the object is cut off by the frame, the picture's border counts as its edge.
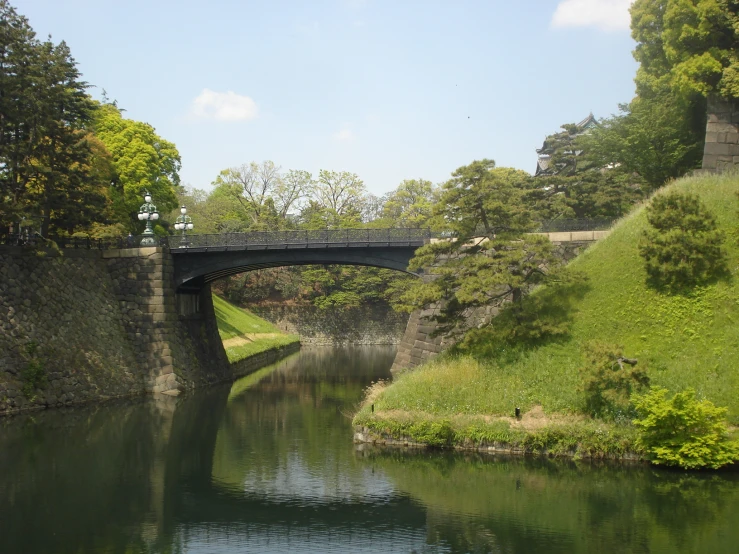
(276, 239)
(337, 237)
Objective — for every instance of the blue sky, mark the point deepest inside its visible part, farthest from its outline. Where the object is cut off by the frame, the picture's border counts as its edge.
(389, 90)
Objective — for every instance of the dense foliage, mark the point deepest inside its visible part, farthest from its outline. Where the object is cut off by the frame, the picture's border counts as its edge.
(488, 258)
(683, 431)
(67, 163)
(689, 45)
(683, 246)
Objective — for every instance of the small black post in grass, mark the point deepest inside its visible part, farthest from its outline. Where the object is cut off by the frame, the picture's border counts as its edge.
(372, 408)
(518, 413)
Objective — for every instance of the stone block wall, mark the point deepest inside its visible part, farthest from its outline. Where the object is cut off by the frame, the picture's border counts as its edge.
(721, 150)
(364, 325)
(175, 337)
(86, 324)
(66, 307)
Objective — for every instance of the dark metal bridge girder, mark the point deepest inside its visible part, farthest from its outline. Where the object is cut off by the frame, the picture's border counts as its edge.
(195, 268)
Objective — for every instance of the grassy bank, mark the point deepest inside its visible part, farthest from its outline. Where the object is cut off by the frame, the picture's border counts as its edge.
(244, 334)
(683, 340)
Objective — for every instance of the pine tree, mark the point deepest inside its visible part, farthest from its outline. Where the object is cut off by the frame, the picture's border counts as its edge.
(683, 246)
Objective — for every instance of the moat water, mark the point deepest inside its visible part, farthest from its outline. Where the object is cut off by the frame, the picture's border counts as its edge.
(267, 464)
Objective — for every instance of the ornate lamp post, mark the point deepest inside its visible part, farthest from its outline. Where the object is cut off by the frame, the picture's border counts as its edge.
(183, 223)
(148, 212)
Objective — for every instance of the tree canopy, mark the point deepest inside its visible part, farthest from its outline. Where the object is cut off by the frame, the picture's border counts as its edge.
(487, 258)
(48, 171)
(142, 160)
(689, 45)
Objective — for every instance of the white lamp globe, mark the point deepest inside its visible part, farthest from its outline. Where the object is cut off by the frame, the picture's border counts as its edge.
(141, 216)
(183, 210)
(189, 226)
(155, 215)
(147, 197)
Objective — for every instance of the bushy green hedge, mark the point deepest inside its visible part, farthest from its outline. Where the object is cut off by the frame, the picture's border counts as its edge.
(683, 431)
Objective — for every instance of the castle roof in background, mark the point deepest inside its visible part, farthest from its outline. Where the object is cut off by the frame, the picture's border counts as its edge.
(543, 164)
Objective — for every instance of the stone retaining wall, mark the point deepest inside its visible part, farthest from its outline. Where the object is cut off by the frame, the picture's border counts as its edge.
(78, 325)
(66, 307)
(419, 346)
(364, 325)
(175, 337)
(721, 150)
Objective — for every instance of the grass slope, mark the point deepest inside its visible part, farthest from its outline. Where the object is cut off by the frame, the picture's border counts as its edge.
(684, 341)
(236, 322)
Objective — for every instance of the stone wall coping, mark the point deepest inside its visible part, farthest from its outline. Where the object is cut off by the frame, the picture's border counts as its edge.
(51, 252)
(132, 252)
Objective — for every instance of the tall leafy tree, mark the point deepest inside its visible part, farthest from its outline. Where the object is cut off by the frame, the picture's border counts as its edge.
(46, 161)
(689, 45)
(651, 137)
(340, 194)
(687, 50)
(142, 160)
(18, 52)
(578, 183)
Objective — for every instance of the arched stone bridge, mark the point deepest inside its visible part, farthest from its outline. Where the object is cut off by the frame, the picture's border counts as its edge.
(206, 258)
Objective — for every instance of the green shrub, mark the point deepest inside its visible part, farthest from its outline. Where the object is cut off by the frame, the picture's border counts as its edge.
(609, 379)
(683, 246)
(432, 433)
(683, 431)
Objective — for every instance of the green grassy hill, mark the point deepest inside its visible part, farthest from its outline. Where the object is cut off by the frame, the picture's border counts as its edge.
(684, 341)
(244, 334)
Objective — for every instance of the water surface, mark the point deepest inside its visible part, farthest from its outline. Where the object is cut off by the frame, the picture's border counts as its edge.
(268, 465)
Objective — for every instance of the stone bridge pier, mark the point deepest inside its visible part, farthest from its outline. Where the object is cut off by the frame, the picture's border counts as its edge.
(174, 336)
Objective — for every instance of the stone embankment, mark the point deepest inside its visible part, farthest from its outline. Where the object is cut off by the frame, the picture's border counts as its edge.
(364, 325)
(721, 149)
(84, 325)
(62, 337)
(419, 345)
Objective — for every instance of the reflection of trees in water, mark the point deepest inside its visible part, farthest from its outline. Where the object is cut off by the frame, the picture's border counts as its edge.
(292, 433)
(520, 505)
(121, 477)
(147, 476)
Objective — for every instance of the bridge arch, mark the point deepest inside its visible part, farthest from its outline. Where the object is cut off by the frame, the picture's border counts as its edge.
(210, 257)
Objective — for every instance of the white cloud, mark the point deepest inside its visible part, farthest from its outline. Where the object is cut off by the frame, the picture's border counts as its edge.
(223, 106)
(607, 15)
(344, 135)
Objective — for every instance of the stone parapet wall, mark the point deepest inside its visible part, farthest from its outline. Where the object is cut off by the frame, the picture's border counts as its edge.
(364, 325)
(721, 150)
